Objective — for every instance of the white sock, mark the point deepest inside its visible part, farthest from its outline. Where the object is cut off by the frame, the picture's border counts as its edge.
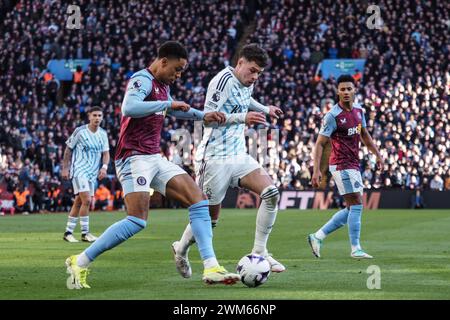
(84, 223)
(210, 263)
(82, 260)
(71, 224)
(354, 248)
(187, 239)
(320, 234)
(267, 213)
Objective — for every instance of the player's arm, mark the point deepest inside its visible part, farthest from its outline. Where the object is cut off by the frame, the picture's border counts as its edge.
(197, 115)
(273, 111)
(70, 145)
(133, 104)
(321, 143)
(216, 95)
(370, 144)
(66, 163)
(323, 140)
(105, 158)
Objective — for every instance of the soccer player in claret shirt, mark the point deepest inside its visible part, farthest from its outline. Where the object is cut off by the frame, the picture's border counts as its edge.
(345, 126)
(140, 166)
(222, 159)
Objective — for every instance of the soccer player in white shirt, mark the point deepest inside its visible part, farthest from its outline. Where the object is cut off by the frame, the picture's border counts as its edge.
(86, 148)
(221, 159)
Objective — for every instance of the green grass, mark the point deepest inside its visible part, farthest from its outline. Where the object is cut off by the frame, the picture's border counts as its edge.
(410, 247)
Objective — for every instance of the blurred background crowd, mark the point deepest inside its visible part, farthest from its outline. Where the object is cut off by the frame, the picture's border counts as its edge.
(404, 86)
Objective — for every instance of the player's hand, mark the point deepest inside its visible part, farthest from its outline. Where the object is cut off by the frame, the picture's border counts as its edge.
(316, 178)
(275, 112)
(380, 163)
(180, 105)
(101, 174)
(65, 174)
(215, 116)
(253, 117)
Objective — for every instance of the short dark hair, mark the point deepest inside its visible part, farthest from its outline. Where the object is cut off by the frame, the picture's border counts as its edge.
(95, 108)
(172, 49)
(253, 52)
(345, 78)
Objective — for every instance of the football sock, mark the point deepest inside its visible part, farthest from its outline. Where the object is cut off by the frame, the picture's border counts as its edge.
(338, 220)
(83, 260)
(115, 235)
(200, 222)
(210, 263)
(354, 225)
(267, 213)
(187, 239)
(71, 224)
(84, 223)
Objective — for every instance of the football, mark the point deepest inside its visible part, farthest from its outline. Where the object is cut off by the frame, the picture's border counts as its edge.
(254, 270)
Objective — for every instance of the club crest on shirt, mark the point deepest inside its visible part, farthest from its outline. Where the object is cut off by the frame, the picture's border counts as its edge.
(141, 181)
(343, 120)
(216, 96)
(137, 84)
(208, 192)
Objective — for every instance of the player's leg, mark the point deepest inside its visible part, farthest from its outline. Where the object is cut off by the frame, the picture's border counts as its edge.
(338, 220)
(181, 248)
(74, 213)
(135, 174)
(87, 198)
(259, 182)
(72, 220)
(173, 182)
(354, 203)
(213, 179)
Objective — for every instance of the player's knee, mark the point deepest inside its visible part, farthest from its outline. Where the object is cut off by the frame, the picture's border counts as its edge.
(271, 195)
(86, 201)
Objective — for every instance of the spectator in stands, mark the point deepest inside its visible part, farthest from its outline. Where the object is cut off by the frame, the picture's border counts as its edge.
(118, 203)
(102, 196)
(54, 198)
(417, 201)
(22, 200)
(6, 202)
(403, 87)
(437, 183)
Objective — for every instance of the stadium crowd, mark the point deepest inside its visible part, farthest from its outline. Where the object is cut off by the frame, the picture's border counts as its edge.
(404, 86)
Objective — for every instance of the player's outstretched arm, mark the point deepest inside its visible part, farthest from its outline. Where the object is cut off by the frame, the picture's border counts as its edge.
(273, 111)
(189, 114)
(249, 118)
(133, 104)
(368, 142)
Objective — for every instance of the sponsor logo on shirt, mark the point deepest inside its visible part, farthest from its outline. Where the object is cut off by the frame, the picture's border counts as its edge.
(354, 130)
(212, 104)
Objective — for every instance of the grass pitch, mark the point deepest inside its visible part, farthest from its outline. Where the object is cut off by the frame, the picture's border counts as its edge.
(411, 248)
